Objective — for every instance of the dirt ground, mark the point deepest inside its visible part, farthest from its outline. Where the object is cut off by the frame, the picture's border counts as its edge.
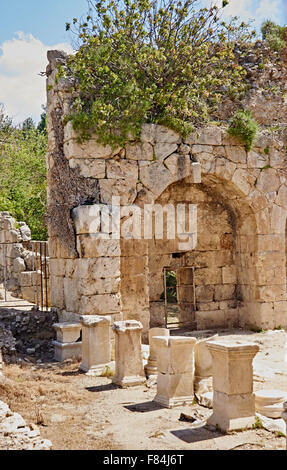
(78, 412)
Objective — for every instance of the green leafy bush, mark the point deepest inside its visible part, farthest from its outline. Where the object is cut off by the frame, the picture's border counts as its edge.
(157, 61)
(274, 34)
(243, 125)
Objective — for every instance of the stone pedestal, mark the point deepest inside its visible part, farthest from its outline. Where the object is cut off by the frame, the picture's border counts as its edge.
(203, 366)
(129, 369)
(175, 362)
(284, 416)
(66, 345)
(233, 398)
(96, 344)
(151, 366)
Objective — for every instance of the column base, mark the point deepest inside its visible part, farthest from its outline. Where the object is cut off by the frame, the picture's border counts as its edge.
(174, 401)
(65, 351)
(232, 412)
(129, 381)
(96, 370)
(151, 368)
(231, 424)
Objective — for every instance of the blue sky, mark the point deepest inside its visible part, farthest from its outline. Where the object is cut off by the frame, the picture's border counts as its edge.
(28, 28)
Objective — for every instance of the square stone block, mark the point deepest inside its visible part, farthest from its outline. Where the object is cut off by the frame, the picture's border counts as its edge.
(65, 351)
(232, 412)
(67, 332)
(174, 390)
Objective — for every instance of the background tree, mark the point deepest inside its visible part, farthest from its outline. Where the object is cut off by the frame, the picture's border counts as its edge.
(23, 174)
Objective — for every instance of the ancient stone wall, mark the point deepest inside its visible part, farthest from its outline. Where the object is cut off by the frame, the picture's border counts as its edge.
(19, 265)
(239, 259)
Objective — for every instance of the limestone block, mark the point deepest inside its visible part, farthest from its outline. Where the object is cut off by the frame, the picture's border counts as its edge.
(105, 267)
(224, 168)
(151, 366)
(229, 275)
(101, 304)
(96, 344)
(57, 292)
(245, 180)
(203, 358)
(139, 151)
(268, 181)
(148, 133)
(277, 158)
(163, 150)
(123, 169)
(255, 159)
(156, 177)
(204, 293)
(207, 276)
(166, 135)
(224, 292)
(67, 332)
(205, 136)
(26, 278)
(210, 319)
(207, 161)
(233, 398)
(179, 165)
(128, 356)
(88, 150)
(281, 199)
(110, 188)
(89, 168)
(196, 171)
(157, 314)
(91, 246)
(65, 351)
(175, 354)
(19, 265)
(98, 286)
(175, 359)
(236, 154)
(195, 149)
(257, 200)
(71, 294)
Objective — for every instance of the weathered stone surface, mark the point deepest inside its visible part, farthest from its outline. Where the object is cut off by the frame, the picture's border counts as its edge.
(89, 168)
(151, 366)
(126, 190)
(175, 356)
(268, 181)
(128, 356)
(156, 177)
(139, 151)
(233, 398)
(163, 150)
(122, 169)
(236, 154)
(96, 344)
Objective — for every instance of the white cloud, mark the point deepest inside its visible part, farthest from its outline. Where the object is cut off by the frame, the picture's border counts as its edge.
(257, 10)
(22, 89)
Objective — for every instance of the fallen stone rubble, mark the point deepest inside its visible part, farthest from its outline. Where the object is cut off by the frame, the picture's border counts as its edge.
(15, 434)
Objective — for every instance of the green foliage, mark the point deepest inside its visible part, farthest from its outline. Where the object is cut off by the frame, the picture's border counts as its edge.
(23, 175)
(274, 35)
(258, 423)
(157, 61)
(243, 125)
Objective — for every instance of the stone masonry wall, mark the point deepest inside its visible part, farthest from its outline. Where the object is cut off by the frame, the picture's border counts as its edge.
(18, 264)
(240, 257)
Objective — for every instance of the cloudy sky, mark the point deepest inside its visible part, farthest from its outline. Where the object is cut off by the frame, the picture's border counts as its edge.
(28, 28)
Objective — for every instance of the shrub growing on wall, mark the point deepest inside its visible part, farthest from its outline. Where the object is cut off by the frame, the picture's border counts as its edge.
(243, 125)
(158, 61)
